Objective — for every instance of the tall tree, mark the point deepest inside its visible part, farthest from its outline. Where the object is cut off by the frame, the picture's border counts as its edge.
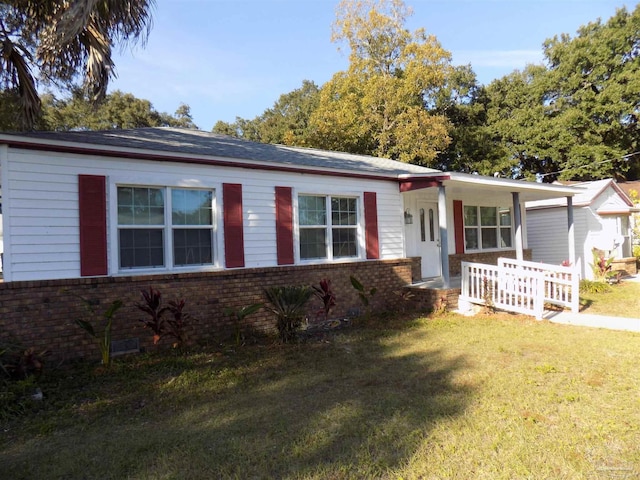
(578, 117)
(472, 149)
(60, 40)
(118, 110)
(378, 105)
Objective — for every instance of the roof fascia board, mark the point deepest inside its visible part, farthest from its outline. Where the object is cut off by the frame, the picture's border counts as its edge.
(514, 185)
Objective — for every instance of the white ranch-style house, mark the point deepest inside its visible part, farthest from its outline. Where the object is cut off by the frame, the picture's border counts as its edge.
(124, 203)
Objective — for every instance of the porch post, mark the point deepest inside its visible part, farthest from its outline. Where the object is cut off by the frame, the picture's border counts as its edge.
(571, 239)
(444, 240)
(517, 218)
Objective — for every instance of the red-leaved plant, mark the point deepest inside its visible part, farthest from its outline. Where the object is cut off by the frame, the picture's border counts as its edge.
(173, 326)
(152, 305)
(325, 293)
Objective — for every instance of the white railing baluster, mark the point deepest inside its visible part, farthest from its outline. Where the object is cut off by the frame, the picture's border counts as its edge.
(520, 286)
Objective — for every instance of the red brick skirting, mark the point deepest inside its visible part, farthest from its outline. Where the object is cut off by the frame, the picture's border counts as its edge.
(42, 314)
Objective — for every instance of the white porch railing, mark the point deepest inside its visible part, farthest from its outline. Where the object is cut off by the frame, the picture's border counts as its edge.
(520, 286)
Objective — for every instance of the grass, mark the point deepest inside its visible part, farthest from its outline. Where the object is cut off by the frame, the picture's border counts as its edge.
(490, 397)
(622, 300)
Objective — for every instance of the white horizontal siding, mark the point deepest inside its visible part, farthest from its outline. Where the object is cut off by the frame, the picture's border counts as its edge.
(41, 201)
(547, 235)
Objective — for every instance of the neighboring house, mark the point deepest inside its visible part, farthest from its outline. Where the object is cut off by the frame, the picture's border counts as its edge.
(632, 189)
(602, 214)
(163, 200)
(215, 219)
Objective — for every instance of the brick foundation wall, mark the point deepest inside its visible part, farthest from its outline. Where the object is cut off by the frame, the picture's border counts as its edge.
(42, 314)
(489, 258)
(416, 269)
(430, 299)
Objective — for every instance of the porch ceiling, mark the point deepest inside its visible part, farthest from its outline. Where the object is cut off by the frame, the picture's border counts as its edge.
(462, 185)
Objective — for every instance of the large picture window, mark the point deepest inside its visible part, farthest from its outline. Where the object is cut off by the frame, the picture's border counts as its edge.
(487, 228)
(328, 227)
(164, 227)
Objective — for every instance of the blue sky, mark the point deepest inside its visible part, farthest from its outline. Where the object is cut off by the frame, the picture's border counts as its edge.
(228, 58)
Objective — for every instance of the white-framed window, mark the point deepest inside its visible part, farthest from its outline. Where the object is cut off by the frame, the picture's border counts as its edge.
(328, 227)
(164, 227)
(487, 228)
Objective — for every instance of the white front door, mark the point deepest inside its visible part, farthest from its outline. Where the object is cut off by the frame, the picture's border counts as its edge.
(429, 239)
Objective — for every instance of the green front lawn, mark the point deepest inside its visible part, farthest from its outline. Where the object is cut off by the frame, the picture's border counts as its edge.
(490, 397)
(622, 300)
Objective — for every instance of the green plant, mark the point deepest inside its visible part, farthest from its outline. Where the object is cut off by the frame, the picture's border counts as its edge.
(325, 293)
(601, 266)
(594, 286)
(238, 315)
(364, 294)
(103, 337)
(288, 304)
(152, 306)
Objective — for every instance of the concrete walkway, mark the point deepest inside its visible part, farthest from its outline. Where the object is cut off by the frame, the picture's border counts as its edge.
(598, 321)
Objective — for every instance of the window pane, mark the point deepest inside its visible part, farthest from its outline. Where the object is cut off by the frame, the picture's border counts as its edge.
(488, 216)
(312, 243)
(343, 211)
(470, 216)
(191, 207)
(471, 238)
(192, 246)
(312, 210)
(505, 216)
(140, 206)
(505, 237)
(423, 235)
(432, 233)
(489, 238)
(141, 248)
(344, 242)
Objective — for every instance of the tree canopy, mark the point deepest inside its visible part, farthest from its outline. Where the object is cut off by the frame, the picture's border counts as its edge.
(59, 41)
(576, 117)
(118, 110)
(378, 106)
(286, 123)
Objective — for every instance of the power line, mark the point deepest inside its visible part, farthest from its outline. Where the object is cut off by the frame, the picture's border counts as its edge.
(623, 158)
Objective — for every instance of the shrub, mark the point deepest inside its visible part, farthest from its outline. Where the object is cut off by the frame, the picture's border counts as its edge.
(103, 337)
(152, 306)
(364, 294)
(238, 315)
(594, 286)
(172, 327)
(288, 304)
(325, 293)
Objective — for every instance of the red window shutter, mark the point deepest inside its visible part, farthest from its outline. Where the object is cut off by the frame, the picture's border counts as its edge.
(92, 202)
(233, 226)
(284, 225)
(371, 225)
(458, 225)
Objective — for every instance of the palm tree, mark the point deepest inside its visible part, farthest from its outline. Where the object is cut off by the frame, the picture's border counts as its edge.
(61, 39)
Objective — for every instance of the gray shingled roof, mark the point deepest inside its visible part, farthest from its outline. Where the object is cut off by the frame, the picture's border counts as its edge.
(197, 142)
